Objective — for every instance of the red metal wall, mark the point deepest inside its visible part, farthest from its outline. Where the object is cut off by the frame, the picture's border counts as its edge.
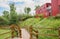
(59, 5)
(55, 7)
(58, 2)
(43, 10)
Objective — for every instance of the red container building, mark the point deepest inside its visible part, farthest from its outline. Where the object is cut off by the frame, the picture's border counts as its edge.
(44, 9)
(49, 9)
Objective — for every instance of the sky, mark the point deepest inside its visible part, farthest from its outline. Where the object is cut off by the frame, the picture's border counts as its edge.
(21, 4)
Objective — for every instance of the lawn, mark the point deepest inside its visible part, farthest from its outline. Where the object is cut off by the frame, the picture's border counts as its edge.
(45, 23)
(37, 22)
(5, 35)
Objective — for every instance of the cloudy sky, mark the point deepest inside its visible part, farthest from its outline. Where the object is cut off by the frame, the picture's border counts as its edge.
(20, 4)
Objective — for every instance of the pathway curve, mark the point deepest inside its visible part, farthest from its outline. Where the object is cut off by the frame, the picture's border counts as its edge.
(25, 34)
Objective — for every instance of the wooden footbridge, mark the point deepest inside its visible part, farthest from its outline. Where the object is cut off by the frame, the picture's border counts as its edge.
(29, 32)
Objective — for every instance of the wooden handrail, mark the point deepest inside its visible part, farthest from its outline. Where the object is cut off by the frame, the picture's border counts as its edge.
(12, 28)
(5, 33)
(49, 35)
(45, 34)
(31, 32)
(7, 37)
(46, 28)
(36, 33)
(15, 27)
(50, 28)
(59, 32)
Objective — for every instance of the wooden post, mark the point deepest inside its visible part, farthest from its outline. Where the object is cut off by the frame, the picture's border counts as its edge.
(20, 34)
(59, 32)
(30, 32)
(37, 34)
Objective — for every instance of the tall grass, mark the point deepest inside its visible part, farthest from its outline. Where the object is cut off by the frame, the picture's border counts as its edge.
(45, 23)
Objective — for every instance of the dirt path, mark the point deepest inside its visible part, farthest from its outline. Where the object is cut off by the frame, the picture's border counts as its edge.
(25, 34)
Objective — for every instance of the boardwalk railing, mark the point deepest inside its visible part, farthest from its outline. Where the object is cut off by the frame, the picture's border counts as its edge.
(33, 32)
(36, 32)
(5, 33)
(12, 28)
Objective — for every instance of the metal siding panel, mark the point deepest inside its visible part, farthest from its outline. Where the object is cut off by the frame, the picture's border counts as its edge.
(54, 7)
(58, 2)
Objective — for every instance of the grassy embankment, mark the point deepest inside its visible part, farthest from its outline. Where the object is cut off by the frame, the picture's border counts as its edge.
(45, 23)
(5, 35)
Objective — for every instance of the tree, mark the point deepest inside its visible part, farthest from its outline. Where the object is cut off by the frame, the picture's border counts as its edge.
(37, 7)
(27, 10)
(9, 18)
(4, 20)
(13, 14)
(6, 14)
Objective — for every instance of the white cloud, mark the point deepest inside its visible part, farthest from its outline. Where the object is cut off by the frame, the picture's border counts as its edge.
(4, 5)
(41, 2)
(16, 0)
(20, 7)
(28, 3)
(3, 0)
(18, 10)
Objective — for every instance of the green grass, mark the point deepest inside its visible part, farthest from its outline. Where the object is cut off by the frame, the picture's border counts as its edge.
(5, 35)
(45, 23)
(51, 23)
(3, 31)
(29, 22)
(37, 22)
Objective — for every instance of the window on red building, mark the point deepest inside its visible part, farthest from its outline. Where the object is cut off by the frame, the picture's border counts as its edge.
(47, 5)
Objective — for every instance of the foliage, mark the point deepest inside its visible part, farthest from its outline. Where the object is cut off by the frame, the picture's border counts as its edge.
(6, 14)
(3, 21)
(24, 17)
(13, 15)
(5, 35)
(37, 7)
(45, 23)
(27, 10)
(9, 18)
(40, 15)
(29, 22)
